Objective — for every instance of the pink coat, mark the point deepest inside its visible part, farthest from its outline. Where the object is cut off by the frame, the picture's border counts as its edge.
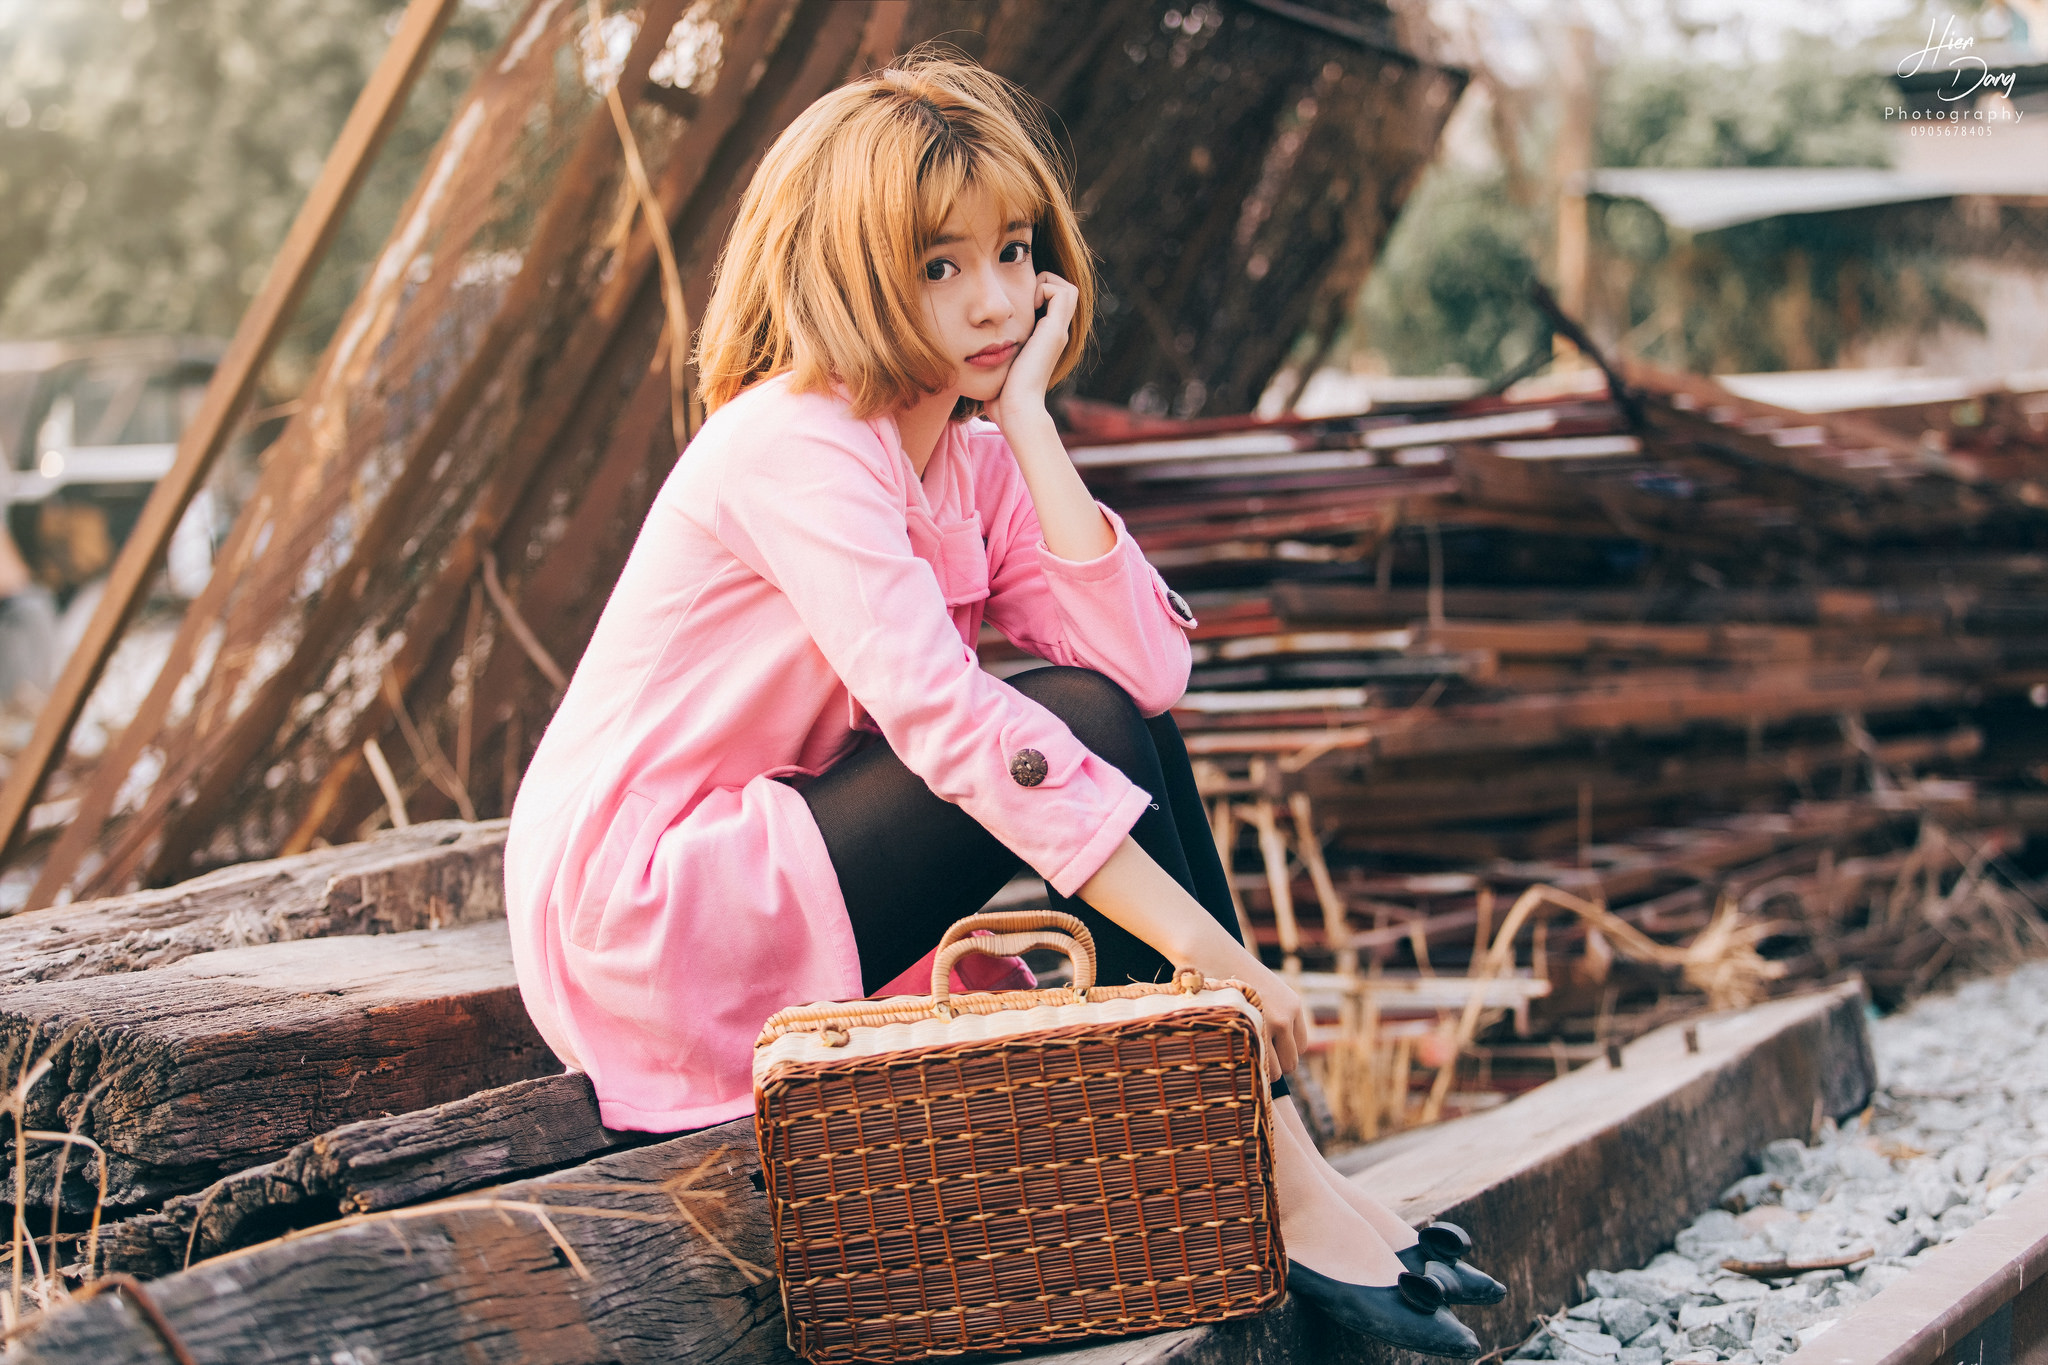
(794, 586)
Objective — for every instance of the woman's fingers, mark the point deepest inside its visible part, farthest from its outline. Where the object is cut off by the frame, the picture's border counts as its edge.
(1287, 1042)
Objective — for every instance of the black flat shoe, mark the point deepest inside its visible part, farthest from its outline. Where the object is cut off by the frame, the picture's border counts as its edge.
(1447, 1244)
(1409, 1313)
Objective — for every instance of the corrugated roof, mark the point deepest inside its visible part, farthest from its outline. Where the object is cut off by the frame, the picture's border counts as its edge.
(1705, 200)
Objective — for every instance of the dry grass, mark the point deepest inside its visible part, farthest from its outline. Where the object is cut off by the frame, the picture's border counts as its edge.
(37, 1282)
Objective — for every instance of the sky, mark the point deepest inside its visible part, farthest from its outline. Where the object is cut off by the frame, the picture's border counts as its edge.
(1730, 31)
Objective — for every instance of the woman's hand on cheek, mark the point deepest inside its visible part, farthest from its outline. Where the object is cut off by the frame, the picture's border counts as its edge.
(1023, 395)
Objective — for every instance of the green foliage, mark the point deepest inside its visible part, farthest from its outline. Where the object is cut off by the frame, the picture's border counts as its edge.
(1450, 292)
(1785, 293)
(155, 152)
(1785, 113)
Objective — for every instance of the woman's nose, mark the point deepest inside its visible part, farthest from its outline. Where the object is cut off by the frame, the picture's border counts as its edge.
(991, 301)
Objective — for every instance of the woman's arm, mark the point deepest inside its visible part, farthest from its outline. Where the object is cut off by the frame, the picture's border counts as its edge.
(1068, 583)
(1139, 895)
(1073, 525)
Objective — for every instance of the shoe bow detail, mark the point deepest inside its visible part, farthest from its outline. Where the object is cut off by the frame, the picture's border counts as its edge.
(1445, 1241)
(1424, 1293)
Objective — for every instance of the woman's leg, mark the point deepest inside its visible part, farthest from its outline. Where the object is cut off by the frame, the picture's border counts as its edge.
(1211, 888)
(1103, 717)
(910, 862)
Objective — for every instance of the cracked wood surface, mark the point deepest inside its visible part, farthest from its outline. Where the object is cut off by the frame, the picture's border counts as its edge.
(379, 1163)
(486, 1284)
(227, 1059)
(431, 876)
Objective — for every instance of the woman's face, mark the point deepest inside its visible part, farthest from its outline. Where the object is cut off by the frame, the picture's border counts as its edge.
(980, 292)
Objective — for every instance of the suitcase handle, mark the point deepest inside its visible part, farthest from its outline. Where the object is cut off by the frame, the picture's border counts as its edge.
(1023, 921)
(1012, 938)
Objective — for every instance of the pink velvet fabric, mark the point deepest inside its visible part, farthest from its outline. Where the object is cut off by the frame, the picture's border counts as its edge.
(795, 585)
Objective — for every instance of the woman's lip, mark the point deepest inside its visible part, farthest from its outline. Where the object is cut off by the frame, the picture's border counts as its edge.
(993, 356)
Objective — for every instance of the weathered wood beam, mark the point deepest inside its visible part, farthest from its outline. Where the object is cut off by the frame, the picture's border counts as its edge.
(484, 1280)
(287, 519)
(226, 1059)
(701, 186)
(430, 876)
(380, 1163)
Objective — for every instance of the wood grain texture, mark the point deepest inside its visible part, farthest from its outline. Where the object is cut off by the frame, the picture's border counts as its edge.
(227, 1059)
(431, 876)
(382, 1163)
(484, 1284)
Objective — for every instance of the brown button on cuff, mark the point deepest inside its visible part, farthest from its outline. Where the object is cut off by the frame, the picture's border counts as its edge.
(1027, 767)
(1180, 606)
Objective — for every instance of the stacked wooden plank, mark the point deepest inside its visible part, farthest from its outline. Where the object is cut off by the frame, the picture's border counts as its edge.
(1646, 642)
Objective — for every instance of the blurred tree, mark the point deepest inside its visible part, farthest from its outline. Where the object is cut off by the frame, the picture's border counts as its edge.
(155, 152)
(1796, 112)
(1449, 293)
(1785, 293)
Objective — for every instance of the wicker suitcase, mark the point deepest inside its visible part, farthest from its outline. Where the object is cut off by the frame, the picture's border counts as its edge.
(957, 1173)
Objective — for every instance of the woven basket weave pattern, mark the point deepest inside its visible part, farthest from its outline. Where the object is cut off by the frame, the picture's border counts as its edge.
(997, 1194)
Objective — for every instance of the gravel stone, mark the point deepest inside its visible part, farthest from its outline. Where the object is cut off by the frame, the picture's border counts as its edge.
(1785, 1158)
(1965, 1165)
(1625, 1319)
(1661, 1337)
(1957, 1130)
(1737, 1288)
(1808, 1333)
(1752, 1190)
(1659, 1295)
(1598, 1345)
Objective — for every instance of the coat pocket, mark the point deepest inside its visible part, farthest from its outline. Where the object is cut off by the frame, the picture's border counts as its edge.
(957, 553)
(627, 847)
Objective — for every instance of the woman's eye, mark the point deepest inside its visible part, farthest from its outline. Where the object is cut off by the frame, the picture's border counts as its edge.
(1016, 252)
(940, 270)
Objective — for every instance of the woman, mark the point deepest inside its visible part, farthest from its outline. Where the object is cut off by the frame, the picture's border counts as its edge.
(779, 773)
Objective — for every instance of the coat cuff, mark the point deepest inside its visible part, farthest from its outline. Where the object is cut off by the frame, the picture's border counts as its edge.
(1088, 860)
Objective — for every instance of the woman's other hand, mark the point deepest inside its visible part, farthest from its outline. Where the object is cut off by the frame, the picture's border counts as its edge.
(1023, 397)
(1286, 1016)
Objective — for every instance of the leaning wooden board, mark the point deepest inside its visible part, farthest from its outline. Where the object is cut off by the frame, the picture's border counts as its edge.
(227, 1059)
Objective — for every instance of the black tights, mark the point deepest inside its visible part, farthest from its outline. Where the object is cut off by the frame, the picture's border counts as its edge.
(910, 863)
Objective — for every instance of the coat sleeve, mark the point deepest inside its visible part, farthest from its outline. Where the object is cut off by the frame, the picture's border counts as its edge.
(822, 520)
(1113, 614)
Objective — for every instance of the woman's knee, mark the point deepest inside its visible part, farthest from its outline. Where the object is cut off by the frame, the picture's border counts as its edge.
(1099, 712)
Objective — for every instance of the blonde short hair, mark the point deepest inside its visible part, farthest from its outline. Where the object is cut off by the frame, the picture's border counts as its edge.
(821, 273)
